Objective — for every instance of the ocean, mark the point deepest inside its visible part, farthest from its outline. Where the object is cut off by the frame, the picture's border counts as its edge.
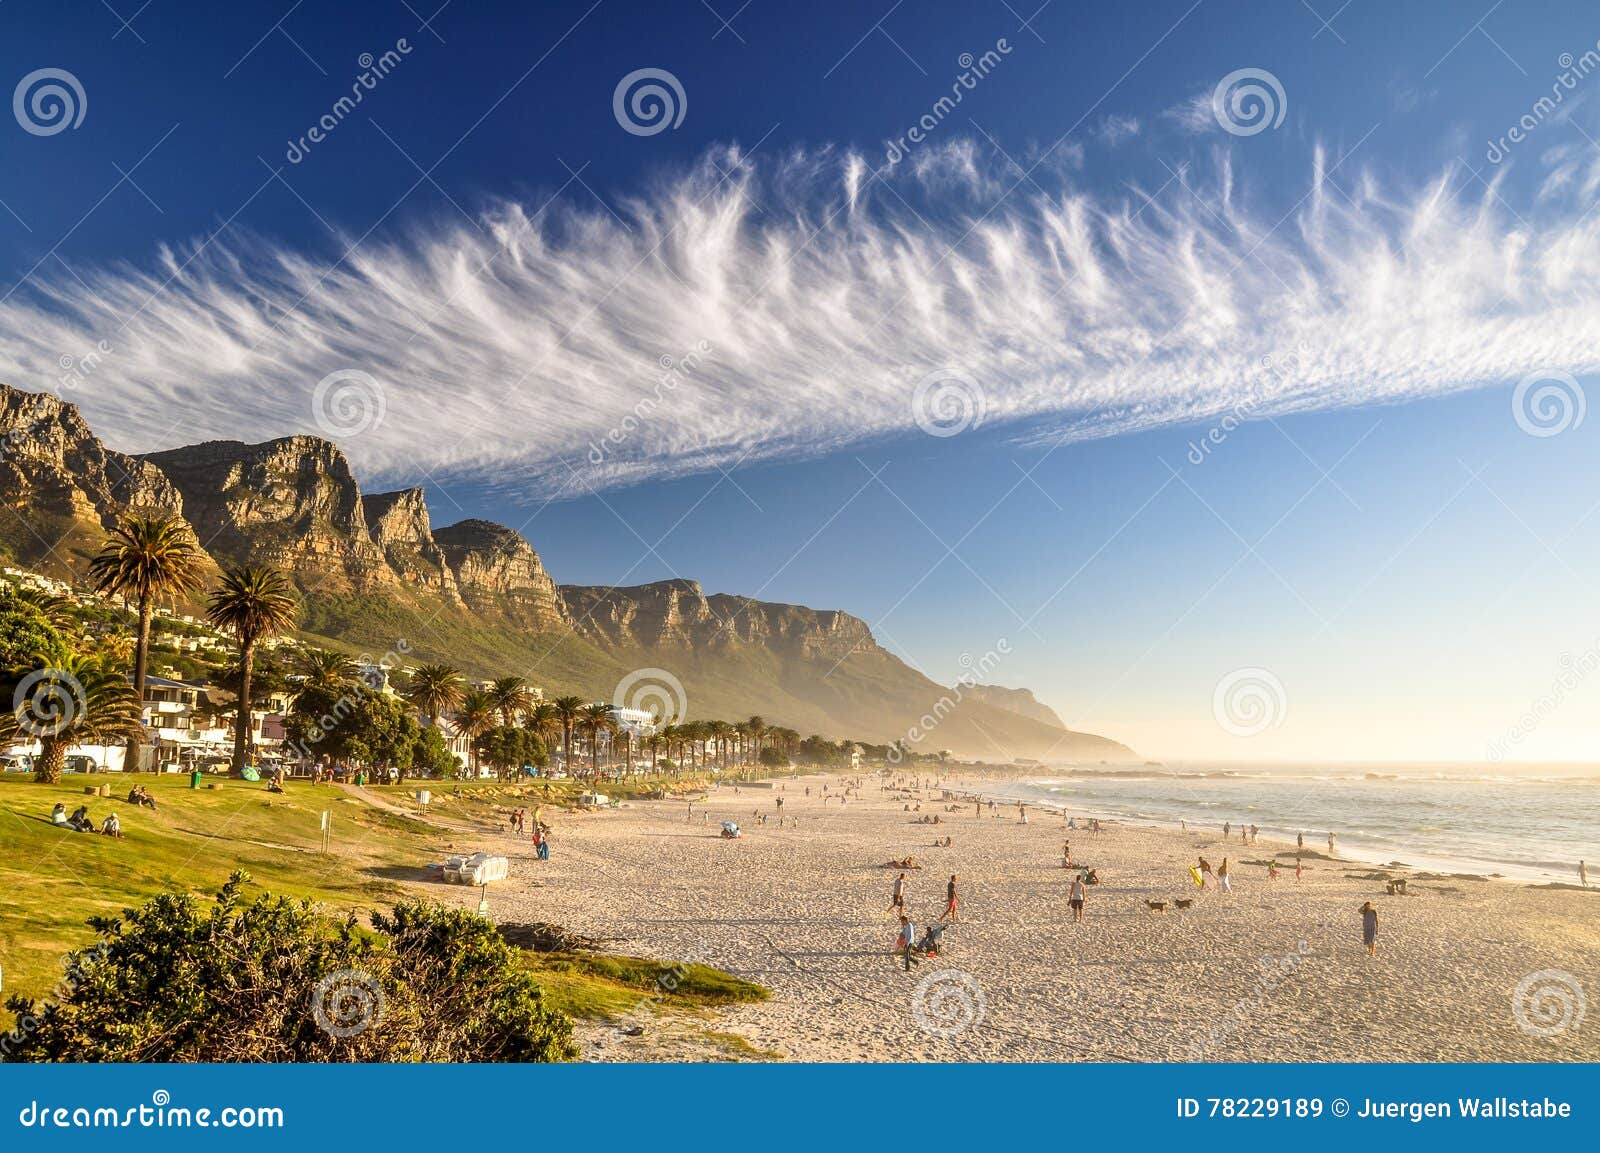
(1529, 824)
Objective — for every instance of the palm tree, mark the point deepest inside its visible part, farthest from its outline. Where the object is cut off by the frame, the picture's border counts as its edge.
(83, 698)
(568, 709)
(253, 603)
(512, 698)
(720, 732)
(475, 715)
(757, 728)
(596, 717)
(544, 721)
(145, 559)
(319, 668)
(434, 690)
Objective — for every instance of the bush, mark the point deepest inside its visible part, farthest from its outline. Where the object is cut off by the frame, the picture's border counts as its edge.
(273, 980)
(772, 758)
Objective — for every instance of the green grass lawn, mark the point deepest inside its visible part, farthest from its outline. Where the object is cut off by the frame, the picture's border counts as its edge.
(52, 880)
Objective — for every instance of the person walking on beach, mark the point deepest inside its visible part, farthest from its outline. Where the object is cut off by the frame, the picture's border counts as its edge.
(1300, 842)
(1227, 828)
(949, 913)
(1369, 928)
(1075, 898)
(1222, 876)
(1205, 871)
(1331, 850)
(1583, 874)
(897, 897)
(908, 938)
(1299, 870)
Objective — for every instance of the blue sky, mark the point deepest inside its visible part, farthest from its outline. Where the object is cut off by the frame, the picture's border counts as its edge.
(1382, 554)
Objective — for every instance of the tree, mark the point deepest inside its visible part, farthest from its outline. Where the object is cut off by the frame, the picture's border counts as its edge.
(146, 559)
(506, 749)
(433, 757)
(568, 709)
(434, 690)
(544, 720)
(511, 697)
(183, 980)
(27, 634)
(596, 719)
(772, 758)
(756, 726)
(353, 724)
(322, 669)
(252, 603)
(71, 698)
(474, 717)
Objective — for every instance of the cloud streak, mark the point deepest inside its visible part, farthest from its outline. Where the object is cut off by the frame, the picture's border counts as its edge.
(810, 295)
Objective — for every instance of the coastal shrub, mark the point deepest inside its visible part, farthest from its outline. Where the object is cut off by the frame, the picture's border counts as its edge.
(181, 979)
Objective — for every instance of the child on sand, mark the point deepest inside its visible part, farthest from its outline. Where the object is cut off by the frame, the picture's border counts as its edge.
(1369, 928)
(1272, 870)
(1299, 870)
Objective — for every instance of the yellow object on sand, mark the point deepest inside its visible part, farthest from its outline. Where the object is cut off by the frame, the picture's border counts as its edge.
(1194, 871)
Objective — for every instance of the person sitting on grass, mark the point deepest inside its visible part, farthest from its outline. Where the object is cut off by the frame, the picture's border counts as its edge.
(111, 827)
(58, 815)
(81, 820)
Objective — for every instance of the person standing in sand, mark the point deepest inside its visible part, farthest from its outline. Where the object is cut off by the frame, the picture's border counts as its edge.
(1369, 928)
(1227, 828)
(1299, 870)
(949, 913)
(907, 938)
(1222, 876)
(1583, 874)
(1300, 842)
(1205, 871)
(897, 897)
(1331, 849)
(1075, 898)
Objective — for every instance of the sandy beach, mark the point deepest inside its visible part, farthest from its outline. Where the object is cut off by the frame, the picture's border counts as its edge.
(1273, 971)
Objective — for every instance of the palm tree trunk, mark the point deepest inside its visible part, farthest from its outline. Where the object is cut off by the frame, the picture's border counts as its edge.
(52, 759)
(141, 664)
(242, 735)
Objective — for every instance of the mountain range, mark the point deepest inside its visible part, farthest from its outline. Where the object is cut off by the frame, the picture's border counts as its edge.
(376, 574)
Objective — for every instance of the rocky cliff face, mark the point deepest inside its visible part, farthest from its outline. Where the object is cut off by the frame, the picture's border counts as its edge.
(498, 573)
(1022, 702)
(399, 524)
(63, 483)
(677, 614)
(476, 594)
(292, 502)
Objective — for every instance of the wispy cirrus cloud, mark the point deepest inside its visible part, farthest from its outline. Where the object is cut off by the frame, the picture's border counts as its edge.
(815, 293)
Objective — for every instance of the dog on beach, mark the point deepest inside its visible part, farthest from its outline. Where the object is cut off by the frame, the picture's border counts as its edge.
(1184, 902)
(1157, 906)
